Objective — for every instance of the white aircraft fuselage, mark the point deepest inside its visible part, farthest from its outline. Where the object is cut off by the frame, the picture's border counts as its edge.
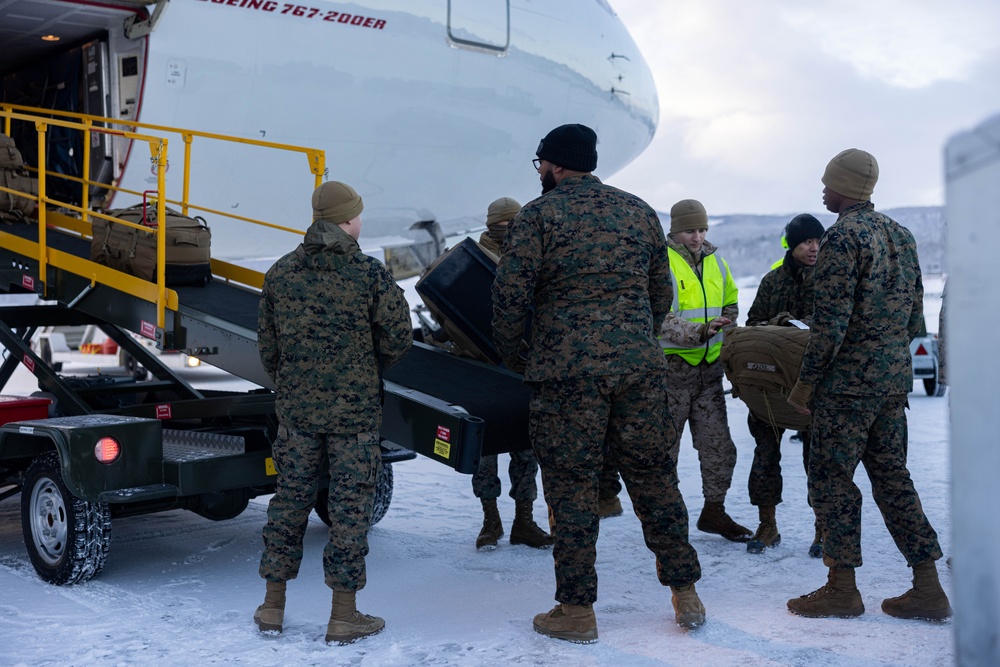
(431, 109)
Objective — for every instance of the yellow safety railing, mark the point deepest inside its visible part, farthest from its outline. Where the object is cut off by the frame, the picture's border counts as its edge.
(134, 131)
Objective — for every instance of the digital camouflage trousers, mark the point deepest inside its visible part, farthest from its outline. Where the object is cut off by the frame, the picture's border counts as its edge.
(522, 470)
(765, 483)
(570, 421)
(870, 430)
(301, 460)
(695, 397)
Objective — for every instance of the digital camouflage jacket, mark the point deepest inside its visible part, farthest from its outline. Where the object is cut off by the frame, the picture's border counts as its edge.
(591, 260)
(330, 320)
(868, 305)
(786, 289)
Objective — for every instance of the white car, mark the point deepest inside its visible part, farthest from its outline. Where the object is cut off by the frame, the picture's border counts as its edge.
(924, 355)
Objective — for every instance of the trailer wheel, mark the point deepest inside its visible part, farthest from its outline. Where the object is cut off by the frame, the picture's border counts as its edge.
(383, 497)
(68, 539)
(933, 386)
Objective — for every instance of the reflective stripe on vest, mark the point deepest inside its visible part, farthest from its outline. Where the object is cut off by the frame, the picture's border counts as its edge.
(697, 299)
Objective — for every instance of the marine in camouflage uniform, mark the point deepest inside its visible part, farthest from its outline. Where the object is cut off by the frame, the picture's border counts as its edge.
(331, 319)
(857, 371)
(591, 260)
(694, 374)
(784, 293)
(523, 467)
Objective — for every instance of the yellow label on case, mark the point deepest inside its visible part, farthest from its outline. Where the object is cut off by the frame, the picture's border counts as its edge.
(269, 466)
(442, 448)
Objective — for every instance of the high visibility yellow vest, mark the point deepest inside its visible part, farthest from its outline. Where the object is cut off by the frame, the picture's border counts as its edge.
(778, 263)
(699, 299)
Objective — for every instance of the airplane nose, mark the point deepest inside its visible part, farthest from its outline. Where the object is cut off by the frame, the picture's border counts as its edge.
(633, 92)
(633, 83)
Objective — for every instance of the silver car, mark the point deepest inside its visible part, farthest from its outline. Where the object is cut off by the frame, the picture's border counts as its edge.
(924, 354)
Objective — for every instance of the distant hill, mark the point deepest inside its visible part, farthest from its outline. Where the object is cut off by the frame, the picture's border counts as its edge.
(751, 243)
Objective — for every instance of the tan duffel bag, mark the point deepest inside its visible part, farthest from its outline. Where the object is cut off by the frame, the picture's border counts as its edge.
(14, 208)
(762, 363)
(133, 251)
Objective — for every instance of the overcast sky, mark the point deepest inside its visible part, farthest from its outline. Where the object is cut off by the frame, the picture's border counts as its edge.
(756, 97)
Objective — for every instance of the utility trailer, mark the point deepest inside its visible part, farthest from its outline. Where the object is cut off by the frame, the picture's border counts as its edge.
(138, 444)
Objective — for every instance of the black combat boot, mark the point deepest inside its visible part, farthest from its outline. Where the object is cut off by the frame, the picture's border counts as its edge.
(816, 548)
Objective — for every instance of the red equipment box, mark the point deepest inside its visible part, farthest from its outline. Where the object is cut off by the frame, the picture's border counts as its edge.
(20, 408)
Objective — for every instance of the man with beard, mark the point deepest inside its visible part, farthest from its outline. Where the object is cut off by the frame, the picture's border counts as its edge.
(592, 262)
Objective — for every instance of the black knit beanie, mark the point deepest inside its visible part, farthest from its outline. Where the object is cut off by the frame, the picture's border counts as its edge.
(802, 228)
(572, 147)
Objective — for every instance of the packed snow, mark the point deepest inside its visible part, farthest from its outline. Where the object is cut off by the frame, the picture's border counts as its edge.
(181, 590)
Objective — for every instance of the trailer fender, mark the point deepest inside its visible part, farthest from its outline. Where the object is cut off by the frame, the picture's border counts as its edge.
(136, 472)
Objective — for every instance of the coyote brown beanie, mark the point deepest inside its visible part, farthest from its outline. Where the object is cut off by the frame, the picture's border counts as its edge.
(498, 215)
(502, 210)
(336, 202)
(688, 215)
(852, 173)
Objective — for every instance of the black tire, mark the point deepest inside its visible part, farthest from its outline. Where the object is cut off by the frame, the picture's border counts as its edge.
(68, 539)
(383, 497)
(934, 388)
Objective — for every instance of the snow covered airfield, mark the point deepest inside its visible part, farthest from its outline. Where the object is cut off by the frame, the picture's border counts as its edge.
(181, 590)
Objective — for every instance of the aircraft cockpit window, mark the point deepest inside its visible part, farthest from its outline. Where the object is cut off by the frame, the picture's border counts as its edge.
(483, 24)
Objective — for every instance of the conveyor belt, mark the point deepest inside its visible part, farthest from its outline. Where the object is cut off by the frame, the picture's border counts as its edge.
(222, 319)
(225, 301)
(217, 322)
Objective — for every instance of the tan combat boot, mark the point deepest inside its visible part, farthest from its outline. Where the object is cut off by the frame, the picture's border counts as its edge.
(347, 623)
(270, 615)
(609, 507)
(492, 529)
(573, 623)
(839, 597)
(767, 535)
(689, 612)
(525, 530)
(926, 600)
(714, 519)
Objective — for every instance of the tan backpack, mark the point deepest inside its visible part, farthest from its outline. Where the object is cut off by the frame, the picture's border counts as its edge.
(762, 363)
(10, 157)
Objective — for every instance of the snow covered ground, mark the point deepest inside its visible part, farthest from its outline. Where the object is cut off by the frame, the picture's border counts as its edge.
(181, 590)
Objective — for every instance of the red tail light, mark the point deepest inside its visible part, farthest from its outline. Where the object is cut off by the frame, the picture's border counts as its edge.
(107, 450)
